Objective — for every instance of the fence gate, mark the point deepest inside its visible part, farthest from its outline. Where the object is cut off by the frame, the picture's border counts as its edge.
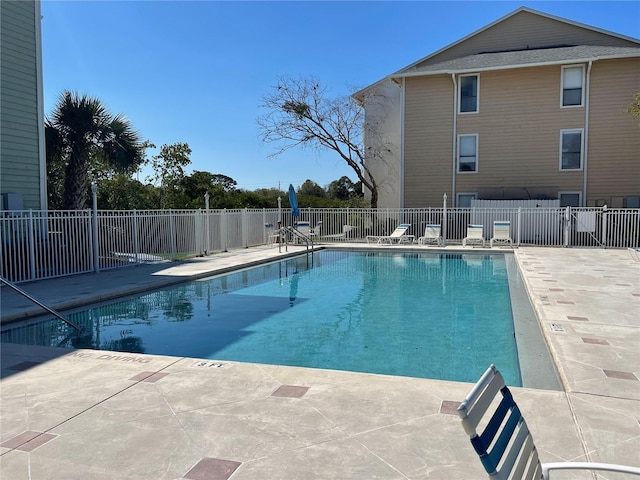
(585, 227)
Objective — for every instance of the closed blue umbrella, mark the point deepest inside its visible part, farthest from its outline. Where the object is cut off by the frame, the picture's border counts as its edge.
(293, 200)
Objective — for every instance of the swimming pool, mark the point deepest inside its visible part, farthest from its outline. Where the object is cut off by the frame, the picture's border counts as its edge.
(429, 315)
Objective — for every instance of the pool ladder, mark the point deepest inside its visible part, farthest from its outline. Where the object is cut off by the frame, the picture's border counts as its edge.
(40, 304)
(296, 234)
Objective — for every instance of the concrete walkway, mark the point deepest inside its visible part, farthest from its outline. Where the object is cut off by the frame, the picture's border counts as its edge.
(88, 414)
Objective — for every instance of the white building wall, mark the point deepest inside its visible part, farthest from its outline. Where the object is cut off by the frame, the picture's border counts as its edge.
(382, 141)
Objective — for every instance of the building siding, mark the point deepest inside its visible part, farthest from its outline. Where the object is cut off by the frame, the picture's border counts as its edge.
(428, 141)
(519, 126)
(19, 119)
(614, 136)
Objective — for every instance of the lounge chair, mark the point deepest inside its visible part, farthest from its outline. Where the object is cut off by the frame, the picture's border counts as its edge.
(501, 233)
(512, 454)
(397, 236)
(635, 253)
(474, 235)
(304, 228)
(431, 235)
(315, 231)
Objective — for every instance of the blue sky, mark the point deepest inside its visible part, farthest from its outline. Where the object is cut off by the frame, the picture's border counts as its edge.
(196, 72)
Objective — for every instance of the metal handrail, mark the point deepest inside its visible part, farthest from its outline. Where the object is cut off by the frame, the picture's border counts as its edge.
(301, 235)
(297, 233)
(40, 304)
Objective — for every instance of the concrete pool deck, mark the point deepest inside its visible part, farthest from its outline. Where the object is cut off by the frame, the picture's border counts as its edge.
(102, 415)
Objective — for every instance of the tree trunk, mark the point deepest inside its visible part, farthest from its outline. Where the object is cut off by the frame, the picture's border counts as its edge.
(374, 197)
(75, 182)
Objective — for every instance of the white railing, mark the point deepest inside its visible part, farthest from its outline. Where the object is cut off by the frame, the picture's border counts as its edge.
(38, 244)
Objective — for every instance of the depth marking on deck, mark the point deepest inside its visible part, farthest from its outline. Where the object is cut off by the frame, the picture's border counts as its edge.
(208, 364)
(111, 357)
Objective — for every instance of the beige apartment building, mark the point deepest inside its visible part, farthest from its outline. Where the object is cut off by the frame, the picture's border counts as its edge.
(530, 107)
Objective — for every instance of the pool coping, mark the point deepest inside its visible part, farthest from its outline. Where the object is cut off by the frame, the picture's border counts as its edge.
(536, 366)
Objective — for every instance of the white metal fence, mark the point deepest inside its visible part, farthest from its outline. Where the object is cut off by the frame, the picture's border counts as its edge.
(40, 244)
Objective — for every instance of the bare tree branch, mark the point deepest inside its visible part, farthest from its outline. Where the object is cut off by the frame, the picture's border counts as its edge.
(300, 114)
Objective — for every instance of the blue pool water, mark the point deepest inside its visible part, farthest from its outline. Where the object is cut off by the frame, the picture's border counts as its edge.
(429, 315)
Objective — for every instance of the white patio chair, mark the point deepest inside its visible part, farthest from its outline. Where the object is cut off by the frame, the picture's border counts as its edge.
(505, 445)
(304, 228)
(431, 235)
(273, 234)
(474, 235)
(315, 231)
(398, 236)
(501, 233)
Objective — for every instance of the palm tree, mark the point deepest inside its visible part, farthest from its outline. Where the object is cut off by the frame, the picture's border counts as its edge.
(81, 133)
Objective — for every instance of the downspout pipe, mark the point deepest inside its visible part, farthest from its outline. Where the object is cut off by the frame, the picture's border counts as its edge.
(586, 133)
(401, 169)
(454, 141)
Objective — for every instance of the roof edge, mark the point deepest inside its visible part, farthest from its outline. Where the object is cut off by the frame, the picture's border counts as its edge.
(360, 94)
(466, 37)
(397, 73)
(502, 19)
(450, 71)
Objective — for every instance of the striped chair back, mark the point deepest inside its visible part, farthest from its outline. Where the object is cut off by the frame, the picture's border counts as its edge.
(504, 444)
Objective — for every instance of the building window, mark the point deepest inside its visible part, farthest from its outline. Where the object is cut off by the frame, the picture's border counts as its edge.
(570, 199)
(632, 201)
(464, 199)
(572, 81)
(467, 153)
(469, 93)
(571, 149)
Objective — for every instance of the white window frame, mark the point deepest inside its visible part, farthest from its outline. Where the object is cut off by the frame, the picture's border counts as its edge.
(473, 195)
(564, 68)
(570, 192)
(572, 130)
(475, 135)
(477, 110)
